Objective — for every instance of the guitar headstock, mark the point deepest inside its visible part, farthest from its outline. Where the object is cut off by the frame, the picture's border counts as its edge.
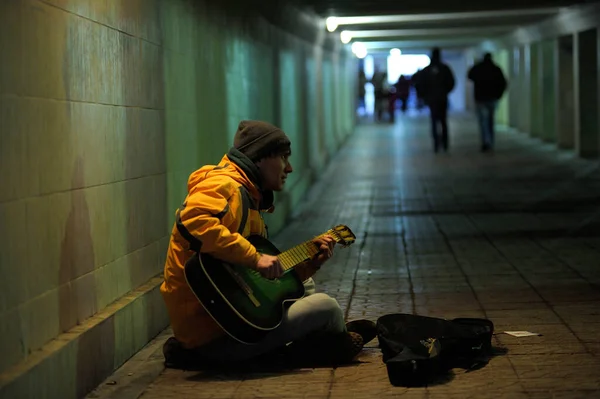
(342, 235)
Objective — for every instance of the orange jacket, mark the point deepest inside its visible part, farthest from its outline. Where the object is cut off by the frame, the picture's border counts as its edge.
(212, 213)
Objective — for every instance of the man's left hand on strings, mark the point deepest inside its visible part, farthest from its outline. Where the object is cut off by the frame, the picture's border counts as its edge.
(325, 245)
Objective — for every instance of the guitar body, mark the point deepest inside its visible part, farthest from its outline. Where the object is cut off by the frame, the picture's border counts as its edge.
(245, 304)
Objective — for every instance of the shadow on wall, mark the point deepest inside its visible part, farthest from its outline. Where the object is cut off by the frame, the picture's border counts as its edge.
(77, 302)
(77, 249)
(95, 350)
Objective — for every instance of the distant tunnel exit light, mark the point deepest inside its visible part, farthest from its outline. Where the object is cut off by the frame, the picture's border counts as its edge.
(405, 64)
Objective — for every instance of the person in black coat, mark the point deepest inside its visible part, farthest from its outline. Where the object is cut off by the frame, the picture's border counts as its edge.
(436, 81)
(489, 84)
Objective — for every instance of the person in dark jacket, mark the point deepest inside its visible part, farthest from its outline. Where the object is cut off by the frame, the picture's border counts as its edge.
(437, 81)
(490, 84)
(402, 91)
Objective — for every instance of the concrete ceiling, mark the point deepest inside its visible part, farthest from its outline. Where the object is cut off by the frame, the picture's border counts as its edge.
(418, 25)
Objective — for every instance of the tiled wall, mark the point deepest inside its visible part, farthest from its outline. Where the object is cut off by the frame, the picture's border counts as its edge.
(220, 69)
(106, 107)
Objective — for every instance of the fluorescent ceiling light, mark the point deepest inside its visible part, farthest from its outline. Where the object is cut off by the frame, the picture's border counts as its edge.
(345, 36)
(423, 44)
(430, 32)
(331, 24)
(334, 22)
(359, 49)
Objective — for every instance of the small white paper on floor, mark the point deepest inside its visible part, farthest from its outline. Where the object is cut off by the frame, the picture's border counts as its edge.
(521, 333)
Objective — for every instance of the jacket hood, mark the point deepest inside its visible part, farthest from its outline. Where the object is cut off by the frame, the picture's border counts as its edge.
(241, 169)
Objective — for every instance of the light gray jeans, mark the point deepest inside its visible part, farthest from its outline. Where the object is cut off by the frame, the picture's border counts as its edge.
(315, 312)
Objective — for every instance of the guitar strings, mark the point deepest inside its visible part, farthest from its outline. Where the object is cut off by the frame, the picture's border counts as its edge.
(306, 250)
(298, 254)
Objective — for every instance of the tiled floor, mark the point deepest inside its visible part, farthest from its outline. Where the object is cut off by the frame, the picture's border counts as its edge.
(513, 236)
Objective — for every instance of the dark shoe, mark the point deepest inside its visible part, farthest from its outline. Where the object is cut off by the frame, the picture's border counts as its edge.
(365, 328)
(350, 345)
(174, 353)
(356, 344)
(177, 357)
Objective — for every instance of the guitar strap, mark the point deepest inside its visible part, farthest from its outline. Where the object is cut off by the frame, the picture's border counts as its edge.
(196, 244)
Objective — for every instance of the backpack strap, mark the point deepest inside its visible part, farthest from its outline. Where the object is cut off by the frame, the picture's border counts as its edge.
(245, 208)
(195, 244)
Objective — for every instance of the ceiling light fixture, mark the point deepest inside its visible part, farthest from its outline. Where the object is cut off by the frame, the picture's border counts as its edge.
(431, 32)
(331, 24)
(359, 49)
(423, 44)
(345, 36)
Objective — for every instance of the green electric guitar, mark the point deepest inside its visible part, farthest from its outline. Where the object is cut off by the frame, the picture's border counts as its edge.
(245, 304)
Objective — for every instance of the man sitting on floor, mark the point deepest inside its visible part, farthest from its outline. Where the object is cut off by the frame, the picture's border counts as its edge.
(212, 213)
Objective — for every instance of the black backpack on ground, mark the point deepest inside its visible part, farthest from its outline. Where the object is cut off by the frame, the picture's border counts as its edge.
(417, 350)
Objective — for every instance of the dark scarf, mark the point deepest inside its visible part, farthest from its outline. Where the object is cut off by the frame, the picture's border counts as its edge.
(251, 170)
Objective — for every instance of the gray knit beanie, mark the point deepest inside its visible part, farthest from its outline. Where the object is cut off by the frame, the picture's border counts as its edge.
(258, 140)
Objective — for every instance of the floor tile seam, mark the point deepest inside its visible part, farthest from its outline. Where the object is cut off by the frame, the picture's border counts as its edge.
(473, 290)
(582, 173)
(355, 272)
(331, 383)
(564, 263)
(563, 321)
(588, 220)
(410, 277)
(239, 384)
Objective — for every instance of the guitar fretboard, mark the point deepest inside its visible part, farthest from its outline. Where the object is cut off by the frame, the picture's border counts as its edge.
(298, 254)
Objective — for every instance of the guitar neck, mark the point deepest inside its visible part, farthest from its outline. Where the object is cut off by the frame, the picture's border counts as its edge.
(308, 249)
(298, 254)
